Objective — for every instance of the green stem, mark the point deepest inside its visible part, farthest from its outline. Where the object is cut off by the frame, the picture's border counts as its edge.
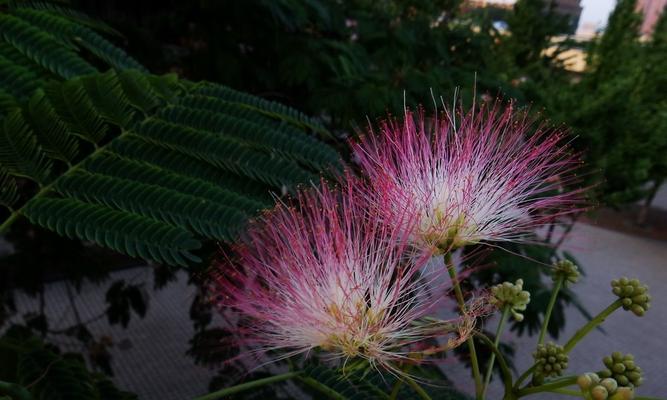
(9, 221)
(549, 386)
(504, 368)
(581, 333)
(499, 331)
(550, 307)
(399, 384)
(418, 389)
(524, 376)
(325, 390)
(471, 343)
(248, 385)
(567, 392)
(397, 388)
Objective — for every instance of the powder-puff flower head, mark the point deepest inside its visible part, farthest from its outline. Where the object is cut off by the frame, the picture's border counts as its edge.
(470, 178)
(323, 273)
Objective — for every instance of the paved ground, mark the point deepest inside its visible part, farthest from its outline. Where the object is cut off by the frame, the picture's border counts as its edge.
(149, 356)
(606, 255)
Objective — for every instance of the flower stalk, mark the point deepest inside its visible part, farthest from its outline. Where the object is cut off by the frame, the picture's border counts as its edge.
(399, 384)
(592, 324)
(248, 386)
(451, 269)
(418, 389)
(549, 386)
(550, 307)
(504, 368)
(501, 326)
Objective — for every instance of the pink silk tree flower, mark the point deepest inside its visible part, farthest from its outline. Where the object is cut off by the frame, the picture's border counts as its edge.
(481, 178)
(323, 273)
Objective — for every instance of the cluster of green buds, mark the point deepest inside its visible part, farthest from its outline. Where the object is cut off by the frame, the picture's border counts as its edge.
(550, 360)
(595, 388)
(623, 369)
(634, 296)
(566, 270)
(512, 295)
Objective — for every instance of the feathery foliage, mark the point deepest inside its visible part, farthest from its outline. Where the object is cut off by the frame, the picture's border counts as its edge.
(121, 163)
(42, 40)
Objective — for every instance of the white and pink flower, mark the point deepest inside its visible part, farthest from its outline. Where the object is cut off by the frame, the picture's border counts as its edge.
(324, 272)
(485, 175)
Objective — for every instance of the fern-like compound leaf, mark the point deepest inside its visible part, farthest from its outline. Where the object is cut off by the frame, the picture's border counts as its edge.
(8, 189)
(72, 103)
(139, 90)
(205, 217)
(20, 154)
(111, 164)
(223, 152)
(128, 233)
(105, 50)
(42, 48)
(18, 80)
(299, 147)
(269, 108)
(136, 148)
(61, 9)
(107, 96)
(52, 133)
(163, 175)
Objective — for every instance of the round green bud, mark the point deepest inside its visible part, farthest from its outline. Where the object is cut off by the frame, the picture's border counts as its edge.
(623, 393)
(634, 296)
(609, 384)
(566, 270)
(599, 393)
(512, 295)
(588, 380)
(584, 381)
(618, 368)
(622, 368)
(550, 360)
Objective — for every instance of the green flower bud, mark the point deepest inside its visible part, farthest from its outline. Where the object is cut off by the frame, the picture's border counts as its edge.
(594, 388)
(567, 270)
(623, 369)
(599, 393)
(634, 296)
(512, 295)
(618, 368)
(550, 360)
(586, 381)
(609, 384)
(623, 393)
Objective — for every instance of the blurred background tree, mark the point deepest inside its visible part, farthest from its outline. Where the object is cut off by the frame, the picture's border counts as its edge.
(616, 110)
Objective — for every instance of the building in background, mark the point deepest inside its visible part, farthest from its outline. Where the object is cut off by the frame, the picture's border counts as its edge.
(508, 4)
(650, 10)
(571, 9)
